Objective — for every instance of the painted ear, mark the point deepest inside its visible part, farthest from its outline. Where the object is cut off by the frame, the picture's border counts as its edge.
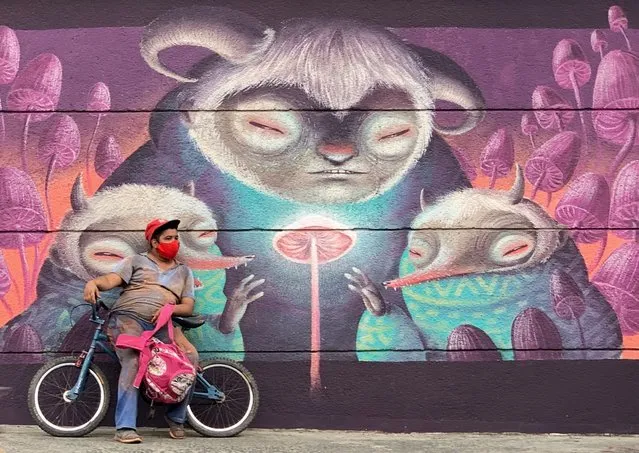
(78, 196)
(516, 192)
(189, 188)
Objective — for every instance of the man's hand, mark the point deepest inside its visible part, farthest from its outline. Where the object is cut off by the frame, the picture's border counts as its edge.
(156, 316)
(91, 292)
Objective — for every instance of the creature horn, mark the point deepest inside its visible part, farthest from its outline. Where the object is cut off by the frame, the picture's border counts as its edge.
(422, 200)
(233, 35)
(452, 84)
(189, 188)
(78, 197)
(516, 192)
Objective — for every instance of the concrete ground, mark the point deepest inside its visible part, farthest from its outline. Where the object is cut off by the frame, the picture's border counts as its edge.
(19, 439)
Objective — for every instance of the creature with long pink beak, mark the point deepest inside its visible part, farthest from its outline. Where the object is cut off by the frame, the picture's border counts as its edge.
(477, 277)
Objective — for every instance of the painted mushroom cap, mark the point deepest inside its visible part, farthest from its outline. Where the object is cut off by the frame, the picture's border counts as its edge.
(553, 105)
(618, 281)
(624, 209)
(21, 210)
(616, 87)
(9, 55)
(585, 205)
(499, 154)
(99, 98)
(568, 58)
(61, 140)
(598, 41)
(37, 87)
(528, 124)
(554, 162)
(617, 18)
(108, 156)
(333, 240)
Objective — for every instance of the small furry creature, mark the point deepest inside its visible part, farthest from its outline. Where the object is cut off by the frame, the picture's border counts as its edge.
(479, 266)
(101, 230)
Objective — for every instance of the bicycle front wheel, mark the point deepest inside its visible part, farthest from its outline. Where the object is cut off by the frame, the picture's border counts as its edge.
(60, 416)
(236, 411)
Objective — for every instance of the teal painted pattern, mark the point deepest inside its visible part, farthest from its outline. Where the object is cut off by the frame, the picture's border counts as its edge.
(488, 301)
(210, 298)
(382, 338)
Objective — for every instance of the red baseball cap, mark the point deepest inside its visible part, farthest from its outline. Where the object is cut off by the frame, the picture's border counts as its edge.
(156, 224)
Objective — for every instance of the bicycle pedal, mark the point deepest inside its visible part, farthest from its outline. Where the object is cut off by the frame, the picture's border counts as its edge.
(78, 363)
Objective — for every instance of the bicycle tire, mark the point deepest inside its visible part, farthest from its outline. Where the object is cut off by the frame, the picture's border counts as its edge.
(67, 431)
(246, 419)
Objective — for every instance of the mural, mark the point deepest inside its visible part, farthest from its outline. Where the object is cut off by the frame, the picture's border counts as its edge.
(348, 192)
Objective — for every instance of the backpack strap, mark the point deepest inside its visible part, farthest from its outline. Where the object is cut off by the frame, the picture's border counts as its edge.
(141, 343)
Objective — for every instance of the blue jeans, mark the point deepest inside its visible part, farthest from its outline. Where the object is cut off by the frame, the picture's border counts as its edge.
(126, 409)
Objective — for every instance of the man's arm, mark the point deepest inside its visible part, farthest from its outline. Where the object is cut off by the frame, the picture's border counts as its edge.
(103, 283)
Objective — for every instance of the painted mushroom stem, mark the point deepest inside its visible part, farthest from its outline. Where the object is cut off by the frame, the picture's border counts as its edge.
(314, 240)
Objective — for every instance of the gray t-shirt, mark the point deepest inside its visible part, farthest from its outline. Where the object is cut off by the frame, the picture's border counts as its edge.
(148, 288)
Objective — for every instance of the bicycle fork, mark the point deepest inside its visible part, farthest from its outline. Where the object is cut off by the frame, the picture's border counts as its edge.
(84, 362)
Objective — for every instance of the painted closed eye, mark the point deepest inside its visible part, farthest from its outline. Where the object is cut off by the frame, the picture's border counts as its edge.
(389, 135)
(267, 126)
(107, 256)
(512, 249)
(270, 134)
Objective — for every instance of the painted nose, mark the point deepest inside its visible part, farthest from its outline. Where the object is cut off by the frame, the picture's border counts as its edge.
(337, 154)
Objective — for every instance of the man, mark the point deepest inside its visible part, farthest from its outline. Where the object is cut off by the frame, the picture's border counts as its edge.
(150, 280)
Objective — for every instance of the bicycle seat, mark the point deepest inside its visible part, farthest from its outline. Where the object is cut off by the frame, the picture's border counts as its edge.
(189, 322)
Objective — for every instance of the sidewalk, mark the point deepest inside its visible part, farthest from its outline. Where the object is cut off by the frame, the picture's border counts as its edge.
(19, 439)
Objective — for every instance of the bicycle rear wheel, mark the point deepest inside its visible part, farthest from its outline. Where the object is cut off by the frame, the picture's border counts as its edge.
(56, 414)
(236, 412)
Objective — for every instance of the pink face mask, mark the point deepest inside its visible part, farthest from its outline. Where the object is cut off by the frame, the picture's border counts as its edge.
(169, 250)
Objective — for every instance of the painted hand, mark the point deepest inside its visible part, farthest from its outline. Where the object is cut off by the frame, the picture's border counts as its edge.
(238, 302)
(370, 294)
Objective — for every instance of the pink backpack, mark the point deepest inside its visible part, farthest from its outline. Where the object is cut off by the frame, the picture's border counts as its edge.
(167, 372)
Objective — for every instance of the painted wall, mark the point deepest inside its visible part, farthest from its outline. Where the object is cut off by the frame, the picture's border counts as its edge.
(349, 193)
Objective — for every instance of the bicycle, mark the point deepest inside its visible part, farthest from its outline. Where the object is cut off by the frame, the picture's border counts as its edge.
(224, 402)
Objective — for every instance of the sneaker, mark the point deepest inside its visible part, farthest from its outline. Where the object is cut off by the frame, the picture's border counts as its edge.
(176, 430)
(127, 436)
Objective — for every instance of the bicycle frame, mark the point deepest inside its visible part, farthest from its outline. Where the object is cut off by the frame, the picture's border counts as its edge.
(100, 339)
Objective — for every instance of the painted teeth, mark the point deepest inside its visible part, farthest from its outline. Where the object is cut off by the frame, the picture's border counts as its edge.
(339, 172)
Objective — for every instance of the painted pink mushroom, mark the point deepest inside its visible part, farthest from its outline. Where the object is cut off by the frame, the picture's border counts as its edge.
(9, 63)
(314, 240)
(624, 209)
(551, 110)
(616, 91)
(529, 127)
(584, 208)
(498, 156)
(24, 338)
(571, 70)
(568, 301)
(618, 22)
(108, 157)
(598, 42)
(551, 166)
(22, 218)
(5, 285)
(618, 281)
(99, 101)
(465, 163)
(36, 90)
(59, 147)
